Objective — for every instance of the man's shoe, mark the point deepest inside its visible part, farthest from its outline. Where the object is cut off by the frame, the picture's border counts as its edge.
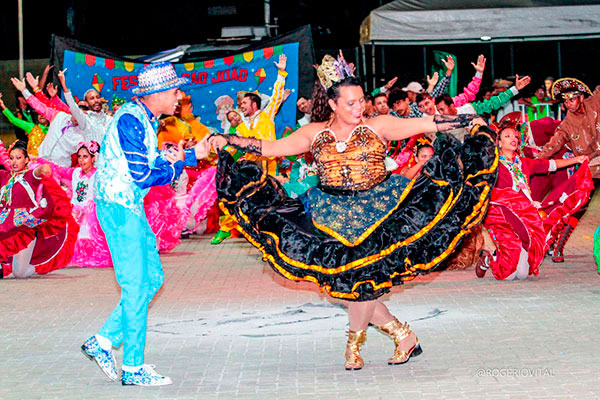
(104, 358)
(144, 376)
(219, 237)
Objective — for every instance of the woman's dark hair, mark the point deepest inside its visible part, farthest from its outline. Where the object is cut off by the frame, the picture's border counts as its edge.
(424, 146)
(19, 145)
(321, 110)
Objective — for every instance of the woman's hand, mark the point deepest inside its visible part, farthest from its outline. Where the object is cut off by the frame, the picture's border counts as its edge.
(580, 159)
(19, 84)
(217, 142)
(52, 90)
(34, 82)
(43, 169)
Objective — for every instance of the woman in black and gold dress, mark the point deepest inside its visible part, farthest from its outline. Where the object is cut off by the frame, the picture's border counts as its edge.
(361, 231)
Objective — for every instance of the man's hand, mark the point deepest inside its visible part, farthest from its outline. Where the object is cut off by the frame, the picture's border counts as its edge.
(62, 80)
(217, 142)
(282, 62)
(202, 149)
(286, 94)
(433, 80)
(480, 66)
(173, 155)
(2, 106)
(522, 82)
(51, 89)
(19, 84)
(449, 63)
(33, 82)
(390, 83)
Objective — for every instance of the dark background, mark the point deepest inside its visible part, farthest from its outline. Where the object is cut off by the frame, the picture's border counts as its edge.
(137, 28)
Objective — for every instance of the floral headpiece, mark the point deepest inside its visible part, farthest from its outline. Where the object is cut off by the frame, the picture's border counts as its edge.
(91, 146)
(333, 70)
(566, 88)
(518, 122)
(422, 142)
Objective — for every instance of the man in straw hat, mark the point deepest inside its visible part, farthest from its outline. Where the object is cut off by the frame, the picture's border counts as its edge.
(580, 131)
(128, 165)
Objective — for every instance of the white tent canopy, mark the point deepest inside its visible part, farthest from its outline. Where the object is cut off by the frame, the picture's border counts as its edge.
(418, 22)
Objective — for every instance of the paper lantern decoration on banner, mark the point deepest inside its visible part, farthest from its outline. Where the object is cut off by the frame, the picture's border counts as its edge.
(260, 76)
(97, 82)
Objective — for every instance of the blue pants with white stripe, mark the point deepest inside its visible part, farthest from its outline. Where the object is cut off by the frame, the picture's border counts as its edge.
(138, 270)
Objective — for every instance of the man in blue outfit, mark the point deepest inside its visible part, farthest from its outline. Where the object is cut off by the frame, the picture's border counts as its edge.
(128, 165)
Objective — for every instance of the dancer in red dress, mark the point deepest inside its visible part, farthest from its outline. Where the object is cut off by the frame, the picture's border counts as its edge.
(513, 219)
(37, 230)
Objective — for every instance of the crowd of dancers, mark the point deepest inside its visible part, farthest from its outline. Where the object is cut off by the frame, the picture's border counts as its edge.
(364, 193)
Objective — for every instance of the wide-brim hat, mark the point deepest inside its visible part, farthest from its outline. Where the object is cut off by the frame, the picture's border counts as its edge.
(568, 85)
(158, 77)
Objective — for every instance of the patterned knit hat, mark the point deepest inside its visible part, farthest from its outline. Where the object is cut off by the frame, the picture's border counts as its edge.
(158, 77)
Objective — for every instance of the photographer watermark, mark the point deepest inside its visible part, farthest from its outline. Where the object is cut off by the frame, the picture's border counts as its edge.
(523, 372)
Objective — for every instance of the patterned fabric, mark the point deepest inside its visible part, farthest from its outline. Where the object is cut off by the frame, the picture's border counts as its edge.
(82, 186)
(350, 218)
(516, 172)
(23, 217)
(36, 137)
(6, 190)
(3, 214)
(144, 376)
(80, 190)
(355, 164)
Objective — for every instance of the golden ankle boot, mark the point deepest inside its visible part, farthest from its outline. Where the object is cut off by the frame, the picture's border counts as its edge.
(352, 353)
(400, 332)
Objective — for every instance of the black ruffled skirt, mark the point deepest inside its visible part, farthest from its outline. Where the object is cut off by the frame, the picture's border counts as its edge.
(357, 245)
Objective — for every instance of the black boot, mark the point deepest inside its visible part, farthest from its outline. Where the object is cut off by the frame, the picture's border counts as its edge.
(557, 256)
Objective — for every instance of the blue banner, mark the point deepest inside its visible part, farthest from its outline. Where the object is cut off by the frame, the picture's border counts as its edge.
(215, 85)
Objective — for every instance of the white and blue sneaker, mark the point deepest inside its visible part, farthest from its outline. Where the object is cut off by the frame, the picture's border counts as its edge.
(104, 358)
(144, 376)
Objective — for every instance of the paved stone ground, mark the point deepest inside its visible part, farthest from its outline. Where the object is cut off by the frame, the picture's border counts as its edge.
(225, 326)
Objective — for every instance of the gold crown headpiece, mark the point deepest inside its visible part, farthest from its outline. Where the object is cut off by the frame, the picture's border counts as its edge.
(333, 70)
